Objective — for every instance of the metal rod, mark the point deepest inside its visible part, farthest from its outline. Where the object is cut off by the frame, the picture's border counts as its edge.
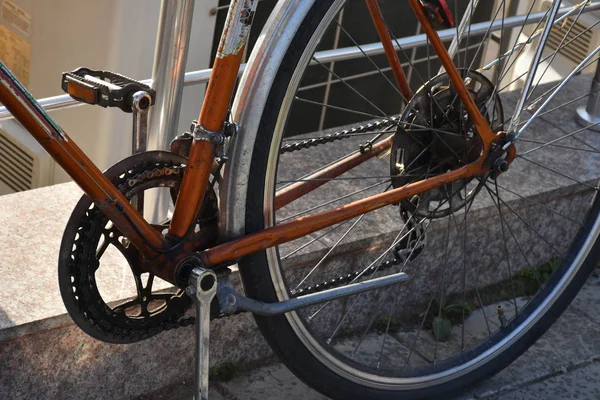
(553, 95)
(346, 53)
(535, 62)
(170, 56)
(237, 302)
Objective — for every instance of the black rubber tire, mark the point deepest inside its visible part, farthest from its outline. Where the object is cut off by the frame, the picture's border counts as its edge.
(258, 285)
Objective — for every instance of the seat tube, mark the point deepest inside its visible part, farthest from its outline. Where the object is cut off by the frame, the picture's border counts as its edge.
(208, 130)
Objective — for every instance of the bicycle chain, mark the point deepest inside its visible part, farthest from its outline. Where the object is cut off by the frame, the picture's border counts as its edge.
(347, 279)
(333, 137)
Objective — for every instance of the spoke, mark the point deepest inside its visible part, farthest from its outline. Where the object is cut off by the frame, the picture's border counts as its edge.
(395, 242)
(497, 203)
(464, 277)
(545, 59)
(502, 223)
(528, 225)
(556, 172)
(377, 261)
(443, 287)
(588, 94)
(552, 142)
(318, 264)
(415, 70)
(520, 46)
(334, 200)
(501, 44)
(479, 46)
(467, 259)
(555, 53)
(471, 11)
(444, 268)
(577, 70)
(560, 146)
(541, 205)
(554, 89)
(371, 61)
(343, 81)
(337, 108)
(353, 178)
(314, 240)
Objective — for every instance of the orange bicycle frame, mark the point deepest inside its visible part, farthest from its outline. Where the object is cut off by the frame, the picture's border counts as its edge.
(148, 240)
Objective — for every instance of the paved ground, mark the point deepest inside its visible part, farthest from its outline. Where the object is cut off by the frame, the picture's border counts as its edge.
(563, 364)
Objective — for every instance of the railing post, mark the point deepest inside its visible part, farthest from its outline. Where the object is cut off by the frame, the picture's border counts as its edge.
(170, 56)
(590, 114)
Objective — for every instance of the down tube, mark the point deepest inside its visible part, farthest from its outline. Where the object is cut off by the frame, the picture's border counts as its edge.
(69, 156)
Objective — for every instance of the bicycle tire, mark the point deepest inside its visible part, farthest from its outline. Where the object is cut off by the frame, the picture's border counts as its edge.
(293, 345)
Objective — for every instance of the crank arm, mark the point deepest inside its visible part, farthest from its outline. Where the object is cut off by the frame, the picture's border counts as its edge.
(202, 289)
(231, 302)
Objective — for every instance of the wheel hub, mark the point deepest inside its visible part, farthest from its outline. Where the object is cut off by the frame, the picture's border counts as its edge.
(438, 137)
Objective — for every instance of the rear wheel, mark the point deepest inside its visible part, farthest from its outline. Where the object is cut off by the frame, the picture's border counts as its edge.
(491, 263)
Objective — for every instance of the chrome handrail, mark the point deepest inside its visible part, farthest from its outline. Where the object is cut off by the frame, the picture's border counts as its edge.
(347, 53)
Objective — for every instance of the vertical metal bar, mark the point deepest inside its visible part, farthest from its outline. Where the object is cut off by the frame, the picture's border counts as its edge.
(170, 56)
(589, 115)
(535, 62)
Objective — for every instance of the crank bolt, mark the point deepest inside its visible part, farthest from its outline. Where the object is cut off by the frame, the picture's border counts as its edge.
(501, 165)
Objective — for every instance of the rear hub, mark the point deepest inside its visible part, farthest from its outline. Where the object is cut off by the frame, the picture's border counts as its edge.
(438, 137)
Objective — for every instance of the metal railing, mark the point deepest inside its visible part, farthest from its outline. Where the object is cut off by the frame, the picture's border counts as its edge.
(347, 53)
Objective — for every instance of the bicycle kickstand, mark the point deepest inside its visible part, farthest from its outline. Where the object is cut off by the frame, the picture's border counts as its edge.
(202, 289)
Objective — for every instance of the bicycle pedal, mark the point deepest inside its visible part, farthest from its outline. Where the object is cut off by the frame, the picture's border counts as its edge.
(104, 88)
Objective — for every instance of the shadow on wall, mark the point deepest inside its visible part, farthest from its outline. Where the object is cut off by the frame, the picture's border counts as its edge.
(5, 321)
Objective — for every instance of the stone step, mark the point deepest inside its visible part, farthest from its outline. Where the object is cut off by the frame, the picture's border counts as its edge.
(48, 356)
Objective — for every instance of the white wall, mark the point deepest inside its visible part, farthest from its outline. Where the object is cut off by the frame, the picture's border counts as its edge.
(118, 35)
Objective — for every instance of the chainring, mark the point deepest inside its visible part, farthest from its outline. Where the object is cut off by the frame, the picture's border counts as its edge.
(423, 150)
(88, 231)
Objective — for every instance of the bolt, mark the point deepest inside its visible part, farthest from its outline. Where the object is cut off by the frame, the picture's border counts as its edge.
(501, 165)
(190, 291)
(231, 300)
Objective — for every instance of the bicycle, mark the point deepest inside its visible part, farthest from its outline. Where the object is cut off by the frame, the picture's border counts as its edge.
(343, 296)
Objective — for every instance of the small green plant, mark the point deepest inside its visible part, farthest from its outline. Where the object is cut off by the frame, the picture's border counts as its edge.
(225, 372)
(348, 332)
(386, 324)
(533, 278)
(450, 313)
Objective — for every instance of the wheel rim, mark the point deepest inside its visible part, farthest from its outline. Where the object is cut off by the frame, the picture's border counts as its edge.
(344, 366)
